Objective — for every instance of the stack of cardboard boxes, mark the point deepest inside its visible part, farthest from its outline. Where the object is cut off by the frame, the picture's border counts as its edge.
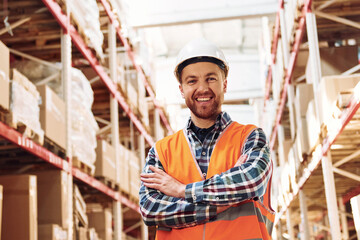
(52, 116)
(314, 122)
(35, 206)
(310, 123)
(20, 215)
(105, 167)
(24, 106)
(100, 219)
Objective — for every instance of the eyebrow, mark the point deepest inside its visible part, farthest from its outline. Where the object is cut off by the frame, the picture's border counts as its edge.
(207, 75)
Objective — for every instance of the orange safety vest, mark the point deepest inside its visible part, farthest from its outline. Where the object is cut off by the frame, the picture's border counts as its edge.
(250, 219)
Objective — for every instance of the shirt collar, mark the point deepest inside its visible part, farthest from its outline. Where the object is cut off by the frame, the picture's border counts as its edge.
(222, 121)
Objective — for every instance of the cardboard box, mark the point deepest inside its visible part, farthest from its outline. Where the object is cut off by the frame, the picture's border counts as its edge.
(81, 233)
(284, 149)
(92, 234)
(300, 64)
(80, 207)
(53, 198)
(105, 164)
(101, 220)
(304, 94)
(313, 126)
(19, 207)
(52, 116)
(134, 175)
(143, 110)
(132, 96)
(328, 91)
(302, 138)
(4, 77)
(51, 232)
(334, 61)
(21, 79)
(293, 167)
(24, 106)
(124, 169)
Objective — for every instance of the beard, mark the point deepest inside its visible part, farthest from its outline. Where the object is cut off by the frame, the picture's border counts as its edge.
(205, 112)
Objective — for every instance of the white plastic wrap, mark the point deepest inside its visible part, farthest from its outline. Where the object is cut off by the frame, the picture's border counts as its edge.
(25, 108)
(86, 14)
(82, 93)
(83, 135)
(37, 72)
(83, 126)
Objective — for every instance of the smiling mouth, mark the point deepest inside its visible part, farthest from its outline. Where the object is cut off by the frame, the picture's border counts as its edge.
(203, 99)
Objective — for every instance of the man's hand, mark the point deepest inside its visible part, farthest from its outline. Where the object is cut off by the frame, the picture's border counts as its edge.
(163, 182)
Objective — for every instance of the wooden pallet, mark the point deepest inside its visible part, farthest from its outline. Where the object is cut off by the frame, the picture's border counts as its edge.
(26, 131)
(3, 115)
(54, 148)
(108, 182)
(84, 167)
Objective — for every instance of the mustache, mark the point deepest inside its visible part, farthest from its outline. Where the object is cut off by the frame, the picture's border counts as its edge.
(207, 93)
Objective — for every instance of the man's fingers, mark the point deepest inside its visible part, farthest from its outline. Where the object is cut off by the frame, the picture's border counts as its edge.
(151, 179)
(147, 175)
(152, 185)
(156, 170)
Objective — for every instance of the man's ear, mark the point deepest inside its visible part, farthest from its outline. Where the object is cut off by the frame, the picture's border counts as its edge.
(181, 91)
(225, 85)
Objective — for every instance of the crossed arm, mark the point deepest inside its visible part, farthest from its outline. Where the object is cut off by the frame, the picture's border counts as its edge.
(164, 201)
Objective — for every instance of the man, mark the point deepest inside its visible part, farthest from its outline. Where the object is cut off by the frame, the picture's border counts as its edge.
(212, 179)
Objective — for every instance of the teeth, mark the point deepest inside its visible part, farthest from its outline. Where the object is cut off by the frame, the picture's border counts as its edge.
(203, 99)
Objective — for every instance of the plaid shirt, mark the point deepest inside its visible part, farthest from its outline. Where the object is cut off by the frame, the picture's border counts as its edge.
(202, 198)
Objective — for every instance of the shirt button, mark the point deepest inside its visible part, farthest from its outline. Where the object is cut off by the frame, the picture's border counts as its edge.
(194, 197)
(203, 153)
(204, 174)
(217, 198)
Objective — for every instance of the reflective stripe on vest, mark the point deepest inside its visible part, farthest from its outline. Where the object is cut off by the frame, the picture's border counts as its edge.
(247, 220)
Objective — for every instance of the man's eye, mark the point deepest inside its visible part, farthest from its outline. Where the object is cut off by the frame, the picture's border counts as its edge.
(212, 79)
(191, 82)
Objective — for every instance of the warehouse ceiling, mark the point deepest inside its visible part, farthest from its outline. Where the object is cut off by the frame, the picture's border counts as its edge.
(234, 25)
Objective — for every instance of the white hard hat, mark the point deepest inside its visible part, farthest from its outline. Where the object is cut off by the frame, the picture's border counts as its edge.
(203, 50)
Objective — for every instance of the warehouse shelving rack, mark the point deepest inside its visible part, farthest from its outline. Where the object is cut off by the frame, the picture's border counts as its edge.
(70, 34)
(313, 182)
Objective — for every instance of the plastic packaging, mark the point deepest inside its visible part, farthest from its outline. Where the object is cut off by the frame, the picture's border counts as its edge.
(86, 14)
(83, 126)
(25, 107)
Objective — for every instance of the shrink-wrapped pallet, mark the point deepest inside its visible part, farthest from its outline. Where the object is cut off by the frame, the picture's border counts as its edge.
(37, 72)
(24, 105)
(83, 125)
(85, 14)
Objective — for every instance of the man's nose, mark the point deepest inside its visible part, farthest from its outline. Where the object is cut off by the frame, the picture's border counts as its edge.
(203, 86)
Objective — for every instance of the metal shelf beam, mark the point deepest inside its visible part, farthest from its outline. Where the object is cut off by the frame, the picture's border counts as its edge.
(131, 55)
(289, 71)
(62, 19)
(273, 51)
(346, 116)
(30, 146)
